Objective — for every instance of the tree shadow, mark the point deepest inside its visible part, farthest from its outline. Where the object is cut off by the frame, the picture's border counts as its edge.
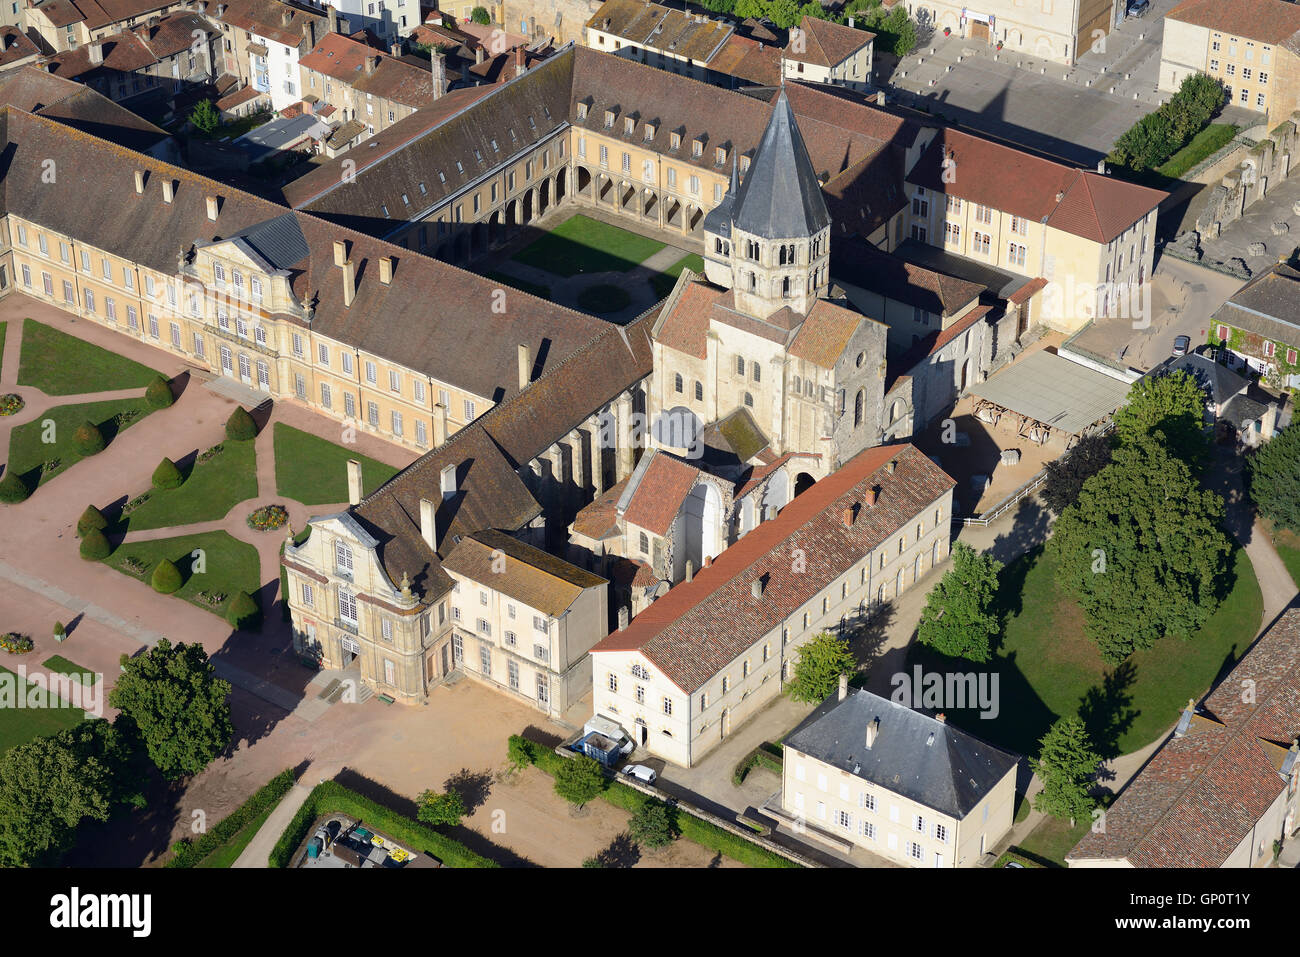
(1106, 711)
(472, 786)
(547, 739)
(1008, 603)
(1029, 530)
(868, 629)
(623, 852)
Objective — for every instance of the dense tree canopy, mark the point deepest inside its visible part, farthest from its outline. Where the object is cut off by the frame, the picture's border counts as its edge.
(1274, 473)
(1173, 404)
(1066, 475)
(817, 671)
(1141, 549)
(1065, 766)
(958, 620)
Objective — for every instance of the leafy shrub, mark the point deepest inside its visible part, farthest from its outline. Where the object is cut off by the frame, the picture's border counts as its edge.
(95, 546)
(12, 488)
(159, 393)
(520, 751)
(88, 440)
(135, 503)
(579, 780)
(91, 518)
(445, 809)
(240, 427)
(167, 475)
(242, 612)
(654, 824)
(60, 632)
(166, 577)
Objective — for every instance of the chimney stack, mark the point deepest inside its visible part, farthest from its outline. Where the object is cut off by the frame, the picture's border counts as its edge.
(396, 49)
(447, 482)
(623, 617)
(941, 718)
(372, 63)
(212, 208)
(873, 729)
(847, 516)
(756, 588)
(285, 17)
(690, 569)
(333, 20)
(386, 269)
(439, 425)
(96, 52)
(525, 367)
(478, 54)
(429, 523)
(139, 181)
(349, 282)
(893, 464)
(340, 252)
(521, 62)
(354, 481)
(871, 496)
(169, 190)
(844, 687)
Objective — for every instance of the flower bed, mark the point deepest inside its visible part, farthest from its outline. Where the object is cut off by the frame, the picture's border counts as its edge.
(11, 404)
(268, 517)
(16, 644)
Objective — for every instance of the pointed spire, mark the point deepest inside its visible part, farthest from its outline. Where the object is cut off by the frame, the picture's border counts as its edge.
(735, 176)
(780, 197)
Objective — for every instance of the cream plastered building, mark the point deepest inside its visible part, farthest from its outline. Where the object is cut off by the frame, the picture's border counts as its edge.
(1252, 47)
(910, 787)
(64, 27)
(713, 651)
(1055, 30)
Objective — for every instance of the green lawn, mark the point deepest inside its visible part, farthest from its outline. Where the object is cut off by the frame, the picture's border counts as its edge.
(664, 282)
(65, 667)
(1047, 667)
(60, 364)
(313, 470)
(532, 288)
(20, 725)
(230, 565)
(584, 245)
(210, 491)
(226, 854)
(3, 327)
(604, 298)
(1287, 544)
(1214, 137)
(28, 450)
(1053, 839)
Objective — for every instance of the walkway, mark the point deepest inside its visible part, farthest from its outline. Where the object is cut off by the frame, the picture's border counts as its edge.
(258, 851)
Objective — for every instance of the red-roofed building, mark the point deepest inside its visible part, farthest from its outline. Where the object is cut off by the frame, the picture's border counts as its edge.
(714, 650)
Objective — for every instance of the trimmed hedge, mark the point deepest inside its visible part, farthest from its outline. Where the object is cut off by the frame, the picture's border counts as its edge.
(190, 854)
(167, 475)
(242, 612)
(95, 546)
(91, 518)
(761, 756)
(159, 393)
(692, 828)
(88, 440)
(12, 488)
(330, 797)
(166, 577)
(240, 426)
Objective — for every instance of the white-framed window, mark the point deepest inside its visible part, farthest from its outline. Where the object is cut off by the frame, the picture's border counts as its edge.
(613, 682)
(469, 410)
(869, 830)
(941, 833)
(844, 819)
(394, 381)
(541, 624)
(511, 639)
(372, 373)
(542, 653)
(386, 628)
(512, 670)
(668, 706)
(297, 344)
(342, 556)
(484, 626)
(348, 606)
(323, 352)
(308, 595)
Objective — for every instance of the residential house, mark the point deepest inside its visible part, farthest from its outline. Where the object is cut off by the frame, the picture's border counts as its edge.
(708, 655)
(263, 41)
(563, 20)
(1231, 403)
(908, 786)
(820, 51)
(16, 48)
(1259, 326)
(68, 24)
(1221, 791)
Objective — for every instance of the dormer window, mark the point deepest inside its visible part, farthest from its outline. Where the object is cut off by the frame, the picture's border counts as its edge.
(629, 126)
(609, 119)
(744, 164)
(649, 132)
(720, 155)
(460, 168)
(582, 111)
(675, 141)
(697, 148)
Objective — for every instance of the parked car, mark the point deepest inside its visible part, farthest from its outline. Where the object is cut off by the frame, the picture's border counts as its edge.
(1181, 345)
(1139, 8)
(642, 773)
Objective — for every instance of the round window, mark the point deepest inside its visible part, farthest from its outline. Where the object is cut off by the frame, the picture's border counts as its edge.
(862, 357)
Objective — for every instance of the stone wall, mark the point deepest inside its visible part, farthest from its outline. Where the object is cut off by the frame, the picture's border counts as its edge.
(564, 20)
(1253, 170)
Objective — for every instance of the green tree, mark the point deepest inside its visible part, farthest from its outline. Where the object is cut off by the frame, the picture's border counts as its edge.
(813, 9)
(91, 518)
(480, 15)
(520, 752)
(95, 546)
(817, 671)
(179, 705)
(654, 824)
(205, 117)
(166, 577)
(159, 393)
(747, 9)
(47, 787)
(957, 620)
(242, 611)
(579, 779)
(446, 809)
(88, 439)
(1066, 475)
(1141, 549)
(783, 13)
(725, 7)
(1065, 765)
(1274, 474)
(167, 475)
(903, 30)
(1173, 404)
(240, 427)
(12, 488)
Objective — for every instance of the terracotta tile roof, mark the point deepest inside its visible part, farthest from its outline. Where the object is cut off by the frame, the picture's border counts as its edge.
(240, 97)
(685, 320)
(347, 61)
(15, 45)
(536, 578)
(748, 59)
(1093, 206)
(825, 333)
(267, 18)
(1027, 291)
(701, 626)
(858, 262)
(599, 517)
(827, 44)
(1203, 792)
(656, 490)
(1268, 21)
(96, 13)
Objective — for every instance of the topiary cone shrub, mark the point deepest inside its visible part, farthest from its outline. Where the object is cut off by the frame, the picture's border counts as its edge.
(166, 577)
(159, 393)
(240, 426)
(12, 488)
(91, 518)
(167, 475)
(95, 546)
(242, 612)
(60, 632)
(88, 439)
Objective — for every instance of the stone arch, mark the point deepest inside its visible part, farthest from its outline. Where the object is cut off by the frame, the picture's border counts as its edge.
(701, 525)
(802, 483)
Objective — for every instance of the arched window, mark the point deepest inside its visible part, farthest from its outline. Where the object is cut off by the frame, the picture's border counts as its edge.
(785, 287)
(857, 407)
(677, 382)
(749, 400)
(798, 386)
(342, 556)
(740, 366)
(645, 544)
(757, 376)
(699, 391)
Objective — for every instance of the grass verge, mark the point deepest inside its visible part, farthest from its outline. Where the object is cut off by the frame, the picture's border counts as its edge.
(28, 450)
(228, 565)
(581, 244)
(61, 364)
(313, 471)
(222, 845)
(210, 490)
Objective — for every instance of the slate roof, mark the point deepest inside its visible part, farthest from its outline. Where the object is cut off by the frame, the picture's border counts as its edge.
(913, 755)
(1268, 305)
(858, 262)
(780, 196)
(1203, 792)
(536, 578)
(701, 626)
(1268, 21)
(1092, 206)
(35, 91)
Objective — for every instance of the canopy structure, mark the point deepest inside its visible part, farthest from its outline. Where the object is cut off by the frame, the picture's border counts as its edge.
(1050, 397)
